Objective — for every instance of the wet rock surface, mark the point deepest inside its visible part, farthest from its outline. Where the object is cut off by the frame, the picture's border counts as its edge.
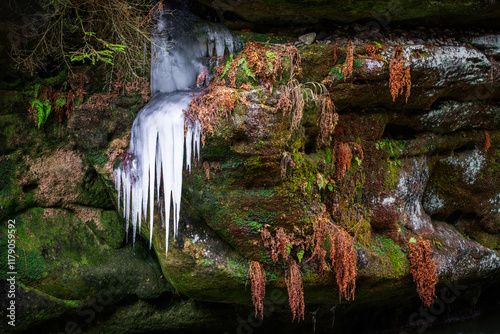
(430, 168)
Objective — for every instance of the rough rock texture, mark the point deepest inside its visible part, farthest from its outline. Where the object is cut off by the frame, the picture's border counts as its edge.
(382, 12)
(430, 168)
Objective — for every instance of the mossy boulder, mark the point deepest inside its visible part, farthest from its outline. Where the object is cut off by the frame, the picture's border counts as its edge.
(69, 258)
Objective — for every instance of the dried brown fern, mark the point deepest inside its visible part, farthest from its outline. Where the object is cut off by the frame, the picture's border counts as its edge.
(295, 95)
(344, 156)
(487, 141)
(258, 281)
(265, 61)
(323, 228)
(345, 264)
(295, 291)
(269, 243)
(347, 68)
(292, 101)
(283, 243)
(399, 74)
(423, 270)
(202, 79)
(212, 105)
(328, 119)
(76, 81)
(372, 49)
(139, 86)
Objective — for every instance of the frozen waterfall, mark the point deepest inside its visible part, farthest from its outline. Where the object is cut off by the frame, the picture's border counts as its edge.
(182, 45)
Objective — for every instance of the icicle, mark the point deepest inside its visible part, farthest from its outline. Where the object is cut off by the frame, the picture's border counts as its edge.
(157, 145)
(189, 143)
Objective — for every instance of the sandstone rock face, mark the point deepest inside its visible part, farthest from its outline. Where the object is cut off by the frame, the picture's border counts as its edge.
(426, 168)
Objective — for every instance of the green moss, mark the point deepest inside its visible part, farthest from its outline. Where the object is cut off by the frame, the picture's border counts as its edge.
(491, 241)
(265, 38)
(392, 176)
(98, 158)
(28, 265)
(112, 230)
(7, 169)
(317, 61)
(391, 253)
(238, 269)
(254, 221)
(55, 81)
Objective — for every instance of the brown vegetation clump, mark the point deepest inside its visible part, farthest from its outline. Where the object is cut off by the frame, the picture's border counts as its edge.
(295, 95)
(400, 76)
(347, 69)
(328, 119)
(258, 281)
(213, 104)
(202, 79)
(269, 243)
(76, 81)
(334, 241)
(61, 102)
(295, 291)
(139, 86)
(487, 141)
(345, 264)
(283, 243)
(217, 101)
(323, 228)
(372, 49)
(423, 270)
(267, 62)
(278, 245)
(344, 157)
(100, 100)
(292, 101)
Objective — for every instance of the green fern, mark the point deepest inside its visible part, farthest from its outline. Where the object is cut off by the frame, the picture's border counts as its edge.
(227, 66)
(42, 110)
(61, 101)
(244, 65)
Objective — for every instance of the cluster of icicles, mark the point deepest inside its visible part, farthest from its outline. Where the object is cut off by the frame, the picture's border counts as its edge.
(154, 161)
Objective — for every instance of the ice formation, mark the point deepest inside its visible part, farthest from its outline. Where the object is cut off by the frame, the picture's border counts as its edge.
(153, 167)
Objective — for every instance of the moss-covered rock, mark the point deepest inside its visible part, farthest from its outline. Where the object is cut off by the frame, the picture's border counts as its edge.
(66, 259)
(415, 168)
